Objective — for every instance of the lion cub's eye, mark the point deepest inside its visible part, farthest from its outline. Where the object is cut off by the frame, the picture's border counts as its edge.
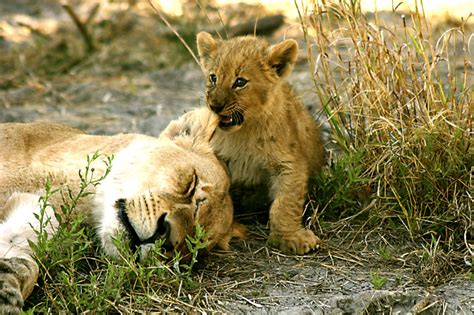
(213, 78)
(239, 83)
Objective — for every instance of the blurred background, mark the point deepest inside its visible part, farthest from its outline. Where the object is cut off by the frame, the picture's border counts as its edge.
(440, 8)
(120, 65)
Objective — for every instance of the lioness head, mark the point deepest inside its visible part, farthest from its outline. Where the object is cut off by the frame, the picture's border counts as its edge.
(241, 74)
(172, 216)
(161, 189)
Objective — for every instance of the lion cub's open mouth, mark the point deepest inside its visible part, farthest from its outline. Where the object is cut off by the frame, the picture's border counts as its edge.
(234, 119)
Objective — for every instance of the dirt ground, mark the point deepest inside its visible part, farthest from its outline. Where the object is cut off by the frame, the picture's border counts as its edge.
(252, 278)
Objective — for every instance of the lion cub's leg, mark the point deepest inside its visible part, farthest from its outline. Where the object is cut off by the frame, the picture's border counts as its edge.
(286, 230)
(18, 269)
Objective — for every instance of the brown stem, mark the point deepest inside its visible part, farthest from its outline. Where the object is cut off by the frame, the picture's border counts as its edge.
(81, 27)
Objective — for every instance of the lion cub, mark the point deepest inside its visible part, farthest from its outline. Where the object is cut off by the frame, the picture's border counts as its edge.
(265, 133)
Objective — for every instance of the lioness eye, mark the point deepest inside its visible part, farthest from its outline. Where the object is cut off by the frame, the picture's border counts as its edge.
(213, 78)
(239, 82)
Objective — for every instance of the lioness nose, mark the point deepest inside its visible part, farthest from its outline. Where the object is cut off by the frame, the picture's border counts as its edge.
(163, 229)
(162, 232)
(217, 107)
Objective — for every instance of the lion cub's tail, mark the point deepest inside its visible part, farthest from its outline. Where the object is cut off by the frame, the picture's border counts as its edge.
(197, 125)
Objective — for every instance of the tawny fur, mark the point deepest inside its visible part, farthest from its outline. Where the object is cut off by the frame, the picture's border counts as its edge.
(176, 175)
(275, 140)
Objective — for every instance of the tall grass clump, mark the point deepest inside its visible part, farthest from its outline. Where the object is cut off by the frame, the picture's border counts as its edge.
(398, 99)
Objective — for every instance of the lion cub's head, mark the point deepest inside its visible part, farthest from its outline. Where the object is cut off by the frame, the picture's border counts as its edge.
(242, 75)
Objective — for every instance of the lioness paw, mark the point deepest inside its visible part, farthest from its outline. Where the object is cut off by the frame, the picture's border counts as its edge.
(299, 242)
(11, 300)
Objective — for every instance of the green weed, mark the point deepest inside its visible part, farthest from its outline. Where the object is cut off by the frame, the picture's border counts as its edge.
(340, 185)
(377, 281)
(76, 277)
(384, 252)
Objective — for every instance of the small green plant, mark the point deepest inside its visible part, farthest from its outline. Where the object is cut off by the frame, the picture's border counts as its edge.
(430, 252)
(195, 245)
(377, 281)
(340, 185)
(62, 249)
(69, 228)
(74, 276)
(384, 252)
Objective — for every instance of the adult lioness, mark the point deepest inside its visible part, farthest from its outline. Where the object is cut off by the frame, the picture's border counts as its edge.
(157, 188)
(265, 134)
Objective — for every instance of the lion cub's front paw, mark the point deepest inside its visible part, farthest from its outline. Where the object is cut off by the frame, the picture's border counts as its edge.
(299, 242)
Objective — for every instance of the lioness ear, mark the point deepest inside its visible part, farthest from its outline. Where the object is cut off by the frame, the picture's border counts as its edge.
(206, 46)
(282, 57)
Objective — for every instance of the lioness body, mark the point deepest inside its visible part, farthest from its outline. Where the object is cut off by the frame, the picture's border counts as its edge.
(31, 152)
(156, 188)
(265, 134)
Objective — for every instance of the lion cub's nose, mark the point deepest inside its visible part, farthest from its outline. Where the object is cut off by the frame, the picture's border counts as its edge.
(216, 108)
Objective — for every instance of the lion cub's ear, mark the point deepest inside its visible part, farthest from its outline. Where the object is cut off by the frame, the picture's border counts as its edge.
(206, 46)
(282, 57)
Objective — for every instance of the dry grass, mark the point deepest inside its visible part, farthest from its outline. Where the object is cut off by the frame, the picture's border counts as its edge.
(399, 104)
